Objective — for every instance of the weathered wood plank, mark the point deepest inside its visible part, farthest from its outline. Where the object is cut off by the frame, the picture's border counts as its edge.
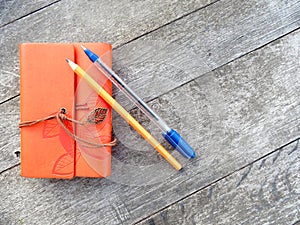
(201, 42)
(265, 192)
(11, 10)
(84, 20)
(10, 135)
(206, 38)
(231, 116)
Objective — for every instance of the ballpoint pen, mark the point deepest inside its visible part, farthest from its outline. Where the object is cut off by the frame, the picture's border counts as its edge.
(169, 134)
(124, 114)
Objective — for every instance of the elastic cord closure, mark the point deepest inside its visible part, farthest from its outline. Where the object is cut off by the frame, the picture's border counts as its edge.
(61, 117)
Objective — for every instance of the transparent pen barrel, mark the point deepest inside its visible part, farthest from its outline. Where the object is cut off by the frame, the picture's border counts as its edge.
(113, 77)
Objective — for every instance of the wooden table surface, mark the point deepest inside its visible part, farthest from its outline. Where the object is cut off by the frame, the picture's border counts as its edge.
(225, 73)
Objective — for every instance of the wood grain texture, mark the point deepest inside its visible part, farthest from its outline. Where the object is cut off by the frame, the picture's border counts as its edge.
(264, 192)
(11, 10)
(232, 116)
(213, 38)
(114, 21)
(10, 135)
(201, 42)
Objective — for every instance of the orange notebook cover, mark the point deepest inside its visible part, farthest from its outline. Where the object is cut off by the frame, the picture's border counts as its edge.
(48, 84)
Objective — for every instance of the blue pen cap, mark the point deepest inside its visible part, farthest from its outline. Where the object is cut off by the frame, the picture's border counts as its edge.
(92, 56)
(179, 144)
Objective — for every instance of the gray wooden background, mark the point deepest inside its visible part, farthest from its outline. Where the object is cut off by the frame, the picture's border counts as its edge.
(225, 73)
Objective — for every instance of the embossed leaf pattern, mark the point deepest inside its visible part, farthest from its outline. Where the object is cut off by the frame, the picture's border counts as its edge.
(51, 129)
(64, 165)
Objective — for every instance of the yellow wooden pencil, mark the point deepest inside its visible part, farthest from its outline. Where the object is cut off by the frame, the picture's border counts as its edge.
(125, 115)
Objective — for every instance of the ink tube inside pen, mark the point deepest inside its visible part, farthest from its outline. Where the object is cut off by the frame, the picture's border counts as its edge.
(132, 96)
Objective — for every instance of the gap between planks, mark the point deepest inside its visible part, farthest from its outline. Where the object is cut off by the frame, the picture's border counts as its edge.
(9, 99)
(158, 96)
(144, 34)
(166, 24)
(224, 64)
(16, 165)
(118, 46)
(28, 14)
(153, 30)
(221, 178)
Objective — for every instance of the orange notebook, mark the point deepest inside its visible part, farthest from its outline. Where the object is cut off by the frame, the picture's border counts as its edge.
(48, 84)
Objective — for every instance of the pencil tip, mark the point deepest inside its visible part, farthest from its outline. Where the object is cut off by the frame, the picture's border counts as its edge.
(84, 48)
(72, 64)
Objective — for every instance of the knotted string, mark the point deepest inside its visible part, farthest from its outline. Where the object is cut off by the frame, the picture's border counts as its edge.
(61, 117)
